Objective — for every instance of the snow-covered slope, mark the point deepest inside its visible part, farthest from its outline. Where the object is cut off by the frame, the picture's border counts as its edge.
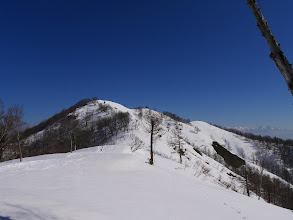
(234, 143)
(110, 182)
(115, 181)
(197, 134)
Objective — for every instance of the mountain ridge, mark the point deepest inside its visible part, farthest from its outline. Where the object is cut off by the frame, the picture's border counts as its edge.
(267, 130)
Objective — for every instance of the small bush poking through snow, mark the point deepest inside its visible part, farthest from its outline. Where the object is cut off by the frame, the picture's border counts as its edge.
(137, 144)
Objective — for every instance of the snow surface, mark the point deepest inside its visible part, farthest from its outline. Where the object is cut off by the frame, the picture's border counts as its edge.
(112, 182)
(109, 182)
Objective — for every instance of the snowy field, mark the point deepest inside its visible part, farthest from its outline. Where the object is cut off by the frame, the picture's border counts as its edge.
(110, 183)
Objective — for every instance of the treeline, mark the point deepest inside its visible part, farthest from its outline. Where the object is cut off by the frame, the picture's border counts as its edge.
(70, 133)
(108, 127)
(271, 189)
(271, 154)
(55, 118)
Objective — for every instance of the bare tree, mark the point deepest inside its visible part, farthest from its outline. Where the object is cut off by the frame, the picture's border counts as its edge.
(261, 159)
(49, 139)
(153, 127)
(4, 129)
(68, 128)
(18, 126)
(88, 116)
(277, 54)
(245, 171)
(10, 121)
(177, 140)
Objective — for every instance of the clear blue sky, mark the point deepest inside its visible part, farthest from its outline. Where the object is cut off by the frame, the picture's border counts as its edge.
(203, 60)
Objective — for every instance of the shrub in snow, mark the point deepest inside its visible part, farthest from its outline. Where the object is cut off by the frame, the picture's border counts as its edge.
(137, 144)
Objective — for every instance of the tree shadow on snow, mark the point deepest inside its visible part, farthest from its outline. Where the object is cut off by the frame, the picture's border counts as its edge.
(5, 218)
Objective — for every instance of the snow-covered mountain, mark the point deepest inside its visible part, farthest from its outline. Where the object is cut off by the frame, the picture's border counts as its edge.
(115, 181)
(267, 131)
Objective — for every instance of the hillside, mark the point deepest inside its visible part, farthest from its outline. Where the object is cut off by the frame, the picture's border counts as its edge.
(86, 182)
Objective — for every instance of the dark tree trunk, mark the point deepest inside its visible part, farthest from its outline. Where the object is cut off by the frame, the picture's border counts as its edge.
(276, 53)
(1, 154)
(246, 182)
(152, 153)
(269, 195)
(180, 152)
(20, 152)
(19, 146)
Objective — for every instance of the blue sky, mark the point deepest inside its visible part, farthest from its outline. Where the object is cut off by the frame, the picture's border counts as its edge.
(203, 60)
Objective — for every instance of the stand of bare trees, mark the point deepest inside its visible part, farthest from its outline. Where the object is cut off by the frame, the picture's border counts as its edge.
(69, 133)
(11, 127)
(69, 128)
(177, 141)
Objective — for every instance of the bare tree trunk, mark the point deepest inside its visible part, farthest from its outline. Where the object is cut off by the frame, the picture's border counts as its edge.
(20, 152)
(246, 182)
(260, 183)
(276, 53)
(1, 153)
(152, 153)
(180, 153)
(74, 140)
(269, 194)
(153, 122)
(70, 143)
(19, 146)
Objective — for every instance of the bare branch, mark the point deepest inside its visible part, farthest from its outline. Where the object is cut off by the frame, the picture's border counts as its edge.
(277, 54)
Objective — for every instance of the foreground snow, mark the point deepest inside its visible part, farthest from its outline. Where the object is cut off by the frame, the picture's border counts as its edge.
(110, 182)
